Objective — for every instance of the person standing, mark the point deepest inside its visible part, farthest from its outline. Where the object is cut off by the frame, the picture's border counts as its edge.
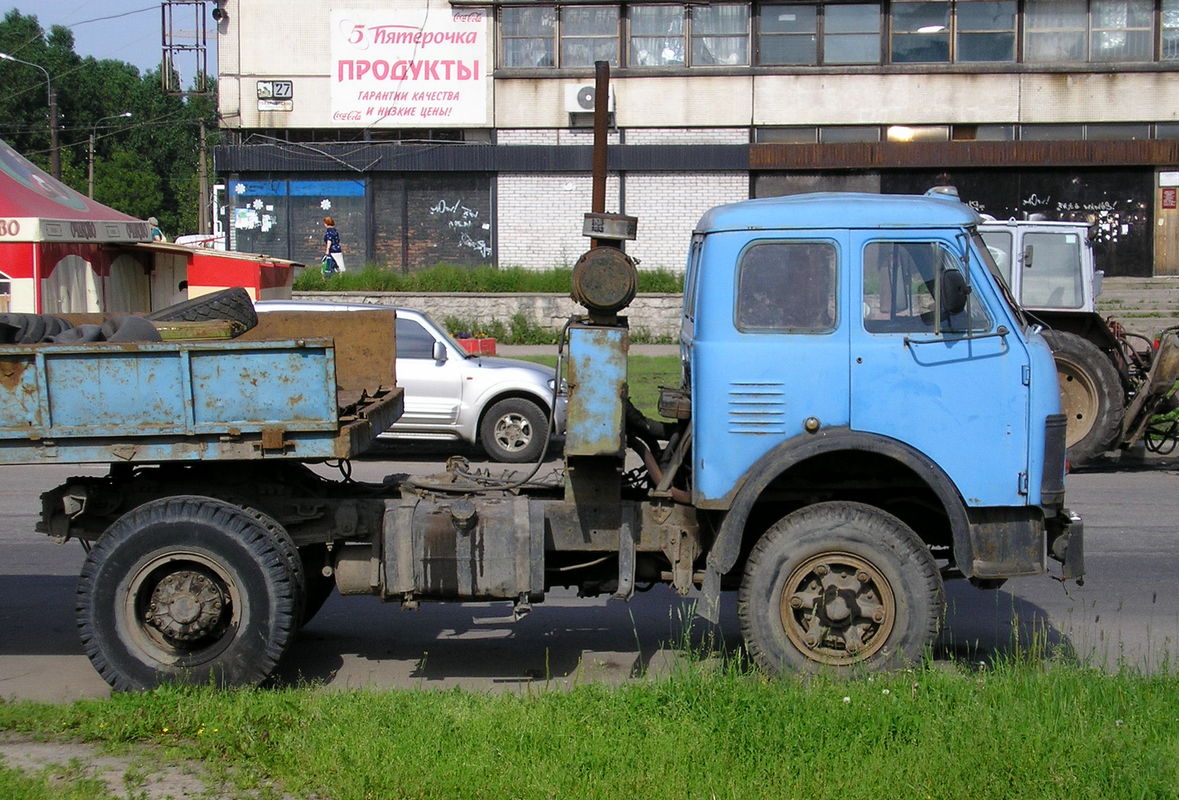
(331, 243)
(157, 235)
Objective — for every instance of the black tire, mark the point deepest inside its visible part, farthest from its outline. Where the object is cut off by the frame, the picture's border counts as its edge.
(1090, 396)
(225, 585)
(319, 586)
(232, 304)
(290, 554)
(839, 586)
(513, 430)
(33, 328)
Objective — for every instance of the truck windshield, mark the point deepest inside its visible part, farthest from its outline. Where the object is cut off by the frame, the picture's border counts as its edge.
(985, 254)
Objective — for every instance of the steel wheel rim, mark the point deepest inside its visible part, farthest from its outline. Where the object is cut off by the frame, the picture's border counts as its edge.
(150, 585)
(513, 432)
(837, 608)
(1078, 399)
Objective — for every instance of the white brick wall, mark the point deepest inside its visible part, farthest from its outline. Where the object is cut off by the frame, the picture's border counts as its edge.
(540, 217)
(549, 136)
(687, 135)
(668, 205)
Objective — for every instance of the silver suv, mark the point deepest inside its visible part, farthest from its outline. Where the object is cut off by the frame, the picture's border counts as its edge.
(500, 403)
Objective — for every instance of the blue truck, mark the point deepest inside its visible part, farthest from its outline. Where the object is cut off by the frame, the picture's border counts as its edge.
(863, 414)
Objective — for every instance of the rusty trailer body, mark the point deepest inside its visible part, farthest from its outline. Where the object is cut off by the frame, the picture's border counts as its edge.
(247, 399)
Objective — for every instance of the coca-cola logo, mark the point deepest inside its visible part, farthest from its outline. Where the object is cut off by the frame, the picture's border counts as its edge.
(346, 116)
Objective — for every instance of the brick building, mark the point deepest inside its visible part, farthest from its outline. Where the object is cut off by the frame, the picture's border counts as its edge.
(457, 132)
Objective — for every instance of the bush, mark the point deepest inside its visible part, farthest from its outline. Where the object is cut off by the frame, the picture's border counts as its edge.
(453, 278)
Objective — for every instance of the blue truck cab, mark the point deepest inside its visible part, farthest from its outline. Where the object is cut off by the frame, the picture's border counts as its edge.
(856, 353)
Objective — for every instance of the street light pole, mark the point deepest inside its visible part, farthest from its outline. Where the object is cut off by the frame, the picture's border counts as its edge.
(90, 160)
(54, 151)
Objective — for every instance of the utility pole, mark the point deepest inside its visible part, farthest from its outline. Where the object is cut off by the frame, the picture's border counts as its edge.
(205, 224)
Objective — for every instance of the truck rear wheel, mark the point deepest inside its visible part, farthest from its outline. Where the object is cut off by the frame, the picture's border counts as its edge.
(186, 589)
(837, 586)
(1090, 396)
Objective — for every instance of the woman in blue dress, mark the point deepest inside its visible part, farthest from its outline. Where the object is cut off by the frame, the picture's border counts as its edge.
(331, 243)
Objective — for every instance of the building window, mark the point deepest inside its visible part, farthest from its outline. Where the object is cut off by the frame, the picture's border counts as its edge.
(527, 35)
(1052, 132)
(851, 33)
(1103, 30)
(789, 35)
(849, 134)
(589, 34)
(920, 32)
(1054, 30)
(792, 134)
(715, 35)
(1169, 19)
(1121, 30)
(656, 36)
(720, 35)
(985, 31)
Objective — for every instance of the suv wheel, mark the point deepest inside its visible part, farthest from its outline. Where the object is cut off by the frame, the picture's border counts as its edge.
(513, 430)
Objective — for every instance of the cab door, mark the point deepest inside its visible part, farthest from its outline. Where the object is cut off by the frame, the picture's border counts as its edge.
(955, 387)
(768, 350)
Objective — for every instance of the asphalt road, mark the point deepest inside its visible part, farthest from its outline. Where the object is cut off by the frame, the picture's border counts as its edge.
(1127, 612)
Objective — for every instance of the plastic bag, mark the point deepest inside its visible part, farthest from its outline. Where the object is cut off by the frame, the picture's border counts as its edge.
(329, 265)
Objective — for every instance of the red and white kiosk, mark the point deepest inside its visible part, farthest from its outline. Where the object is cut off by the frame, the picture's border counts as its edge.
(61, 252)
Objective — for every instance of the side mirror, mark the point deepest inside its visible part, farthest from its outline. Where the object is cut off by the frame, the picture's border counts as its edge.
(439, 351)
(954, 292)
(1027, 256)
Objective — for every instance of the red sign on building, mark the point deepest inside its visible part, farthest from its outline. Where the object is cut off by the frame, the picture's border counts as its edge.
(1170, 197)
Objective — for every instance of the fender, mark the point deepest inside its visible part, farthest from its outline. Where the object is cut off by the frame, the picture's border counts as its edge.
(727, 547)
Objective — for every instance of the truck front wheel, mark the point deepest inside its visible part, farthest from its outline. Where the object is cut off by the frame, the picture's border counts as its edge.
(186, 589)
(839, 585)
(1090, 395)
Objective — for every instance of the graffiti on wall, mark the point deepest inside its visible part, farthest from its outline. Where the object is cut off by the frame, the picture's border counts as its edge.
(470, 232)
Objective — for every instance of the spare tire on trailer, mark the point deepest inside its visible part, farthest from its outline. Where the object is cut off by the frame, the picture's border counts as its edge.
(232, 304)
(1090, 396)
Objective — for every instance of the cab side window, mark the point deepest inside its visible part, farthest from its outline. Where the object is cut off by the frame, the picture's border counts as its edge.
(787, 287)
(413, 341)
(899, 282)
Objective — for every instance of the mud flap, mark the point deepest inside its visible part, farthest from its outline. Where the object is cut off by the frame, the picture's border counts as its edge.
(1068, 547)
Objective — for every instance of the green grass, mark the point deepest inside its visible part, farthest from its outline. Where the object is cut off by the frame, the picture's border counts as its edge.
(645, 375)
(484, 280)
(66, 783)
(1017, 731)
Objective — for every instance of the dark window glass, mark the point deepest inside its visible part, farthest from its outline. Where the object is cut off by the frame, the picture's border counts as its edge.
(920, 32)
(789, 34)
(413, 341)
(787, 287)
(851, 33)
(986, 31)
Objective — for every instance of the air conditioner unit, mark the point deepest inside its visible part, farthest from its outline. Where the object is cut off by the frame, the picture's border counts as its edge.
(580, 97)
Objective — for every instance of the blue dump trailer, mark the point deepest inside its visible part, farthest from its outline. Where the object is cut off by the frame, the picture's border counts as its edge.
(863, 414)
